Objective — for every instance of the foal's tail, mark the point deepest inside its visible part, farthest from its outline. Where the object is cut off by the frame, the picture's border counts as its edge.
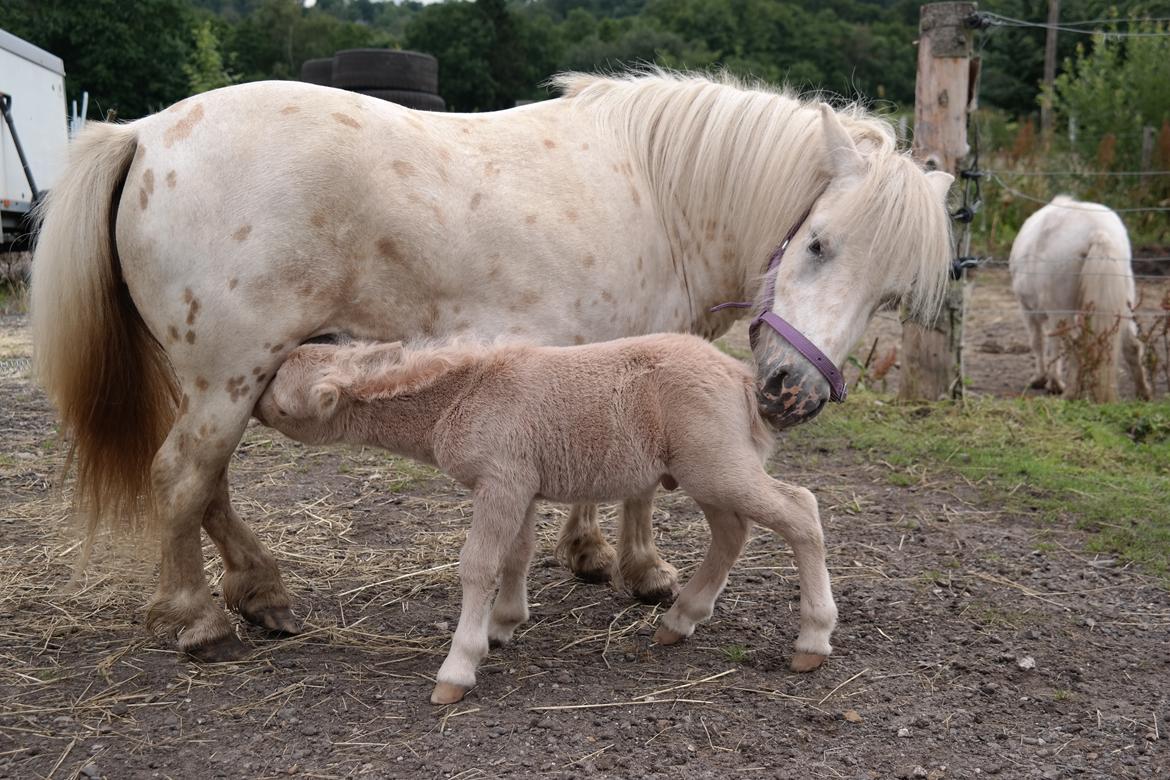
(105, 373)
(1104, 295)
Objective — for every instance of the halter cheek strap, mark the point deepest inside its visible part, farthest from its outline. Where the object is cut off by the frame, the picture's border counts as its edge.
(837, 387)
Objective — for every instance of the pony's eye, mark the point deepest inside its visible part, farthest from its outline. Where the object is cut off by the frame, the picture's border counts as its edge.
(815, 249)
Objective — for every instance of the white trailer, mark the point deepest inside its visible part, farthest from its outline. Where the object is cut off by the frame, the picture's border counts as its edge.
(34, 126)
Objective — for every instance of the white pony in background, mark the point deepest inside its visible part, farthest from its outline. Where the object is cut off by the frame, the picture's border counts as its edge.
(1070, 266)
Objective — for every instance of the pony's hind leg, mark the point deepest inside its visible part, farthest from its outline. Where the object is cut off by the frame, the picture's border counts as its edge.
(511, 607)
(1039, 378)
(643, 572)
(696, 602)
(583, 548)
(498, 517)
(1132, 349)
(185, 475)
(252, 585)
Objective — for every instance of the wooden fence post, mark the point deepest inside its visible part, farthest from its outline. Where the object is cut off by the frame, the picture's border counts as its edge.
(932, 352)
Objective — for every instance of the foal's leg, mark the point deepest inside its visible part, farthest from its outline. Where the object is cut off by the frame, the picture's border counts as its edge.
(696, 602)
(747, 490)
(511, 607)
(1131, 348)
(498, 515)
(643, 572)
(583, 548)
(252, 584)
(792, 512)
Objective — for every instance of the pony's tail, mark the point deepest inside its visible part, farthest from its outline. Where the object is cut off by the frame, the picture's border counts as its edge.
(109, 379)
(1104, 297)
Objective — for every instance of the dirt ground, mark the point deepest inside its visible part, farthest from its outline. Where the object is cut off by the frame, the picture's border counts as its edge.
(972, 641)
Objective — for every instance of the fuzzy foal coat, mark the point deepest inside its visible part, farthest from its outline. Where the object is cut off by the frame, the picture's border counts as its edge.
(594, 423)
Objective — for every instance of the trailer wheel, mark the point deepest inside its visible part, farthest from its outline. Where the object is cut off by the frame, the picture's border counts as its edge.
(416, 100)
(319, 71)
(362, 69)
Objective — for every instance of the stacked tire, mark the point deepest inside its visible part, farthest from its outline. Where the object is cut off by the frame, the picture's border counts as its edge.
(408, 78)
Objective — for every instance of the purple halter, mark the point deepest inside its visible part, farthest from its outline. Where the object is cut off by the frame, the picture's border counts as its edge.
(828, 369)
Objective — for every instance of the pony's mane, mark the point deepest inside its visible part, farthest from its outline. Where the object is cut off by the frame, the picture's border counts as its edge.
(708, 144)
(420, 364)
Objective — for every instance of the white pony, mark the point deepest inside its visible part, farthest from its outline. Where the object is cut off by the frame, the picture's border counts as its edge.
(1070, 267)
(185, 255)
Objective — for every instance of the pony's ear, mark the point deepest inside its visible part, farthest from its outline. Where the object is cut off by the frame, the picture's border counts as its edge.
(843, 158)
(325, 397)
(376, 358)
(940, 182)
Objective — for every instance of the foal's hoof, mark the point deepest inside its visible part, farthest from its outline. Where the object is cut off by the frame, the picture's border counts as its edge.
(279, 620)
(226, 648)
(664, 636)
(448, 693)
(806, 662)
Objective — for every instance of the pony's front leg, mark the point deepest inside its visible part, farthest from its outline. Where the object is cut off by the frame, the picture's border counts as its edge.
(583, 548)
(498, 515)
(696, 602)
(511, 607)
(252, 585)
(643, 572)
(185, 474)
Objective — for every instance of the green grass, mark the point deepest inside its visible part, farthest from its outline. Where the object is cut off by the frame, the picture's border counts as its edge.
(1104, 467)
(737, 654)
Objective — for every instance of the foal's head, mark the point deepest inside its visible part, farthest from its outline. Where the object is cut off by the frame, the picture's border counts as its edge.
(879, 233)
(316, 383)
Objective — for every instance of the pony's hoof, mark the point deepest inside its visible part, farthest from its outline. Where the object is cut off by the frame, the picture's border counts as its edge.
(592, 563)
(655, 585)
(448, 693)
(664, 636)
(279, 620)
(1038, 382)
(226, 648)
(806, 662)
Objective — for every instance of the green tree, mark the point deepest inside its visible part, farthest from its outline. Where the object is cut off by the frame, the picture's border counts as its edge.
(128, 56)
(205, 69)
(1117, 87)
(461, 38)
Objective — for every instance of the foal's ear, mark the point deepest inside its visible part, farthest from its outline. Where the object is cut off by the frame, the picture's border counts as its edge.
(375, 358)
(940, 182)
(844, 159)
(325, 398)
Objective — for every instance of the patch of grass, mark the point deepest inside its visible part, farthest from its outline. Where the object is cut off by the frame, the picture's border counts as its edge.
(737, 654)
(1105, 467)
(13, 298)
(735, 352)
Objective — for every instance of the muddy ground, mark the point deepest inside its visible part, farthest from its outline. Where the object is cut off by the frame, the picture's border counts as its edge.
(973, 641)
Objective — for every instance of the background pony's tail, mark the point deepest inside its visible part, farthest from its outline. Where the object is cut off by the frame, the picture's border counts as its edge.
(1104, 294)
(108, 377)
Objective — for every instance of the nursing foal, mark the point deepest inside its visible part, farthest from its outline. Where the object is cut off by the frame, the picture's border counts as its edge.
(601, 422)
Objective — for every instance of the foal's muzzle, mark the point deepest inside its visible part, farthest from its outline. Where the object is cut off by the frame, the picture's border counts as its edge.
(789, 389)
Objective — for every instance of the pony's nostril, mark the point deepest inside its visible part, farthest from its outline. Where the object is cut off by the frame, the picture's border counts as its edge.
(775, 384)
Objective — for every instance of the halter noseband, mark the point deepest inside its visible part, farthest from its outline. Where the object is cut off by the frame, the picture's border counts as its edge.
(828, 369)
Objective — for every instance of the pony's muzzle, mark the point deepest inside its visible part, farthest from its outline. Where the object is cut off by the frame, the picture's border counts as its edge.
(789, 389)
